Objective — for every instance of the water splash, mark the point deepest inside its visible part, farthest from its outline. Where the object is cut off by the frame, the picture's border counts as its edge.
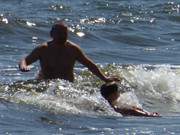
(3, 19)
(148, 86)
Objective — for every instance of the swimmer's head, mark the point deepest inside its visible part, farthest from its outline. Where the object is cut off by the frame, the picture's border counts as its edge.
(110, 91)
(59, 32)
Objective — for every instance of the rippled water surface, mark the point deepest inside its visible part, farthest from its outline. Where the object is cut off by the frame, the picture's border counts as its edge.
(135, 39)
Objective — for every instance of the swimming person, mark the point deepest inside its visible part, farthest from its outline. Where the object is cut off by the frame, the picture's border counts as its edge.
(58, 56)
(110, 92)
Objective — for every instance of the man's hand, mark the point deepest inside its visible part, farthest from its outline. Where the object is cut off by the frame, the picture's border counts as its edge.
(113, 78)
(23, 66)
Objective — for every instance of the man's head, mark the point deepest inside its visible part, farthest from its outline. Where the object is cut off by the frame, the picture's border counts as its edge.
(59, 32)
(110, 91)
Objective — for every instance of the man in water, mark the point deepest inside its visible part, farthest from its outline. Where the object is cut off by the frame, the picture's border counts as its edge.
(57, 57)
(110, 92)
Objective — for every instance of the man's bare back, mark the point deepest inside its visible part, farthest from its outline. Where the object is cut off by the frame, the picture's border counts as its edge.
(56, 61)
(57, 58)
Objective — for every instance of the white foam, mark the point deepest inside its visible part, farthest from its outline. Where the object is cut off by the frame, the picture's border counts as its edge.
(128, 100)
(63, 97)
(156, 86)
(151, 87)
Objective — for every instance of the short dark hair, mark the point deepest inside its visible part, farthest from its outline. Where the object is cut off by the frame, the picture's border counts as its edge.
(107, 89)
(61, 29)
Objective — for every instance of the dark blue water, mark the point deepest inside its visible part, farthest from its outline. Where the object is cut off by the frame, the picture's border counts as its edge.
(134, 39)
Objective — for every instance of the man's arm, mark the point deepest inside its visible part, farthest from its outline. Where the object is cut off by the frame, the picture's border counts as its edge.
(136, 112)
(32, 57)
(83, 59)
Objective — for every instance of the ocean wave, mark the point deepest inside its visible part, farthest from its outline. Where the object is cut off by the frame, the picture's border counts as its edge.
(153, 87)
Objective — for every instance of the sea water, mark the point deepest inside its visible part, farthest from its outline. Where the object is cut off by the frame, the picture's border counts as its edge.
(137, 40)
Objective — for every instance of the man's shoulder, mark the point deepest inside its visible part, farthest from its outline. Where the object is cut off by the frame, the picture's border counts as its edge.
(42, 46)
(73, 45)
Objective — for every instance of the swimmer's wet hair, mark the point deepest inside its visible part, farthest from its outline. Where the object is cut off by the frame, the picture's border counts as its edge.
(109, 88)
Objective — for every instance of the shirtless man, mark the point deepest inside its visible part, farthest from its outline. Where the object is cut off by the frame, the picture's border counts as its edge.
(57, 57)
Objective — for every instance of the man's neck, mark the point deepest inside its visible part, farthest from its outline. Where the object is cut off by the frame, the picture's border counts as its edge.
(58, 43)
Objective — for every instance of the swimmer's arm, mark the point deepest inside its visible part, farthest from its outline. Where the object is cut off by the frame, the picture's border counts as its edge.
(129, 112)
(32, 57)
(83, 59)
(136, 112)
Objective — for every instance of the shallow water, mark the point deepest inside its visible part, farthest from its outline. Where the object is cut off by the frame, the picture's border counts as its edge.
(138, 40)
